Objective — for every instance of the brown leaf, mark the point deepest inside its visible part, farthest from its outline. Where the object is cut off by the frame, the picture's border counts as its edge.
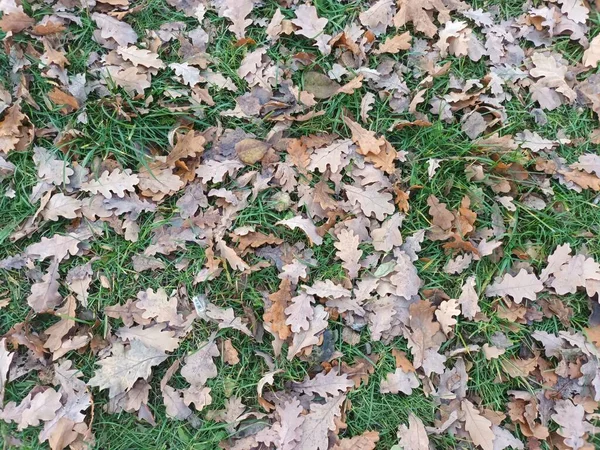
(523, 285)
(417, 13)
(304, 339)
(36, 407)
(305, 225)
(199, 366)
(591, 56)
(366, 441)
(319, 422)
(230, 354)
(399, 381)
(424, 333)
(414, 436)
(44, 294)
(365, 139)
(6, 358)
(121, 370)
(15, 22)
(371, 201)
(141, 57)
(573, 426)
(320, 85)
(394, 44)
(352, 85)
(117, 182)
(275, 314)
(439, 213)
(324, 384)
(468, 299)
(299, 312)
(478, 427)
(348, 251)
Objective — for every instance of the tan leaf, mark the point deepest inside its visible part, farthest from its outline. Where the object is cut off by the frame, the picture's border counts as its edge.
(320, 85)
(478, 427)
(231, 256)
(319, 422)
(275, 314)
(154, 336)
(58, 246)
(110, 28)
(591, 56)
(352, 85)
(439, 213)
(445, 314)
(331, 156)
(490, 352)
(62, 206)
(15, 22)
(399, 381)
(413, 437)
(237, 11)
(417, 13)
(582, 179)
(365, 139)
(366, 441)
(157, 305)
(63, 99)
(290, 422)
(519, 368)
(324, 384)
(371, 201)
(225, 317)
(121, 370)
(388, 235)
(59, 330)
(298, 154)
(303, 339)
(552, 75)
(51, 169)
(215, 171)
(394, 44)
(573, 424)
(523, 285)
(230, 354)
(33, 409)
(468, 299)
(424, 331)
(141, 57)
(159, 180)
(366, 105)
(117, 182)
(348, 251)
(199, 366)
(308, 22)
(378, 17)
(299, 312)
(199, 396)
(250, 151)
(189, 74)
(44, 294)
(305, 225)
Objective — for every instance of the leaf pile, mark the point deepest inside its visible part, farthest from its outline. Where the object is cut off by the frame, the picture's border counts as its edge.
(343, 192)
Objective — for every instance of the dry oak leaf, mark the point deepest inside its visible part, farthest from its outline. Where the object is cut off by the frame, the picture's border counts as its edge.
(399, 381)
(575, 10)
(582, 179)
(424, 334)
(332, 156)
(59, 330)
(478, 426)
(317, 424)
(299, 312)
(303, 339)
(366, 441)
(523, 285)
(110, 28)
(445, 314)
(320, 85)
(490, 352)
(42, 407)
(58, 246)
(589, 163)
(153, 336)
(388, 235)
(309, 24)
(50, 169)
(160, 181)
(116, 182)
(215, 171)
(378, 17)
(413, 437)
(189, 74)
(371, 201)
(551, 74)
(199, 366)
(61, 98)
(189, 144)
(44, 294)
(298, 154)
(231, 256)
(439, 213)
(15, 22)
(157, 305)
(141, 57)
(468, 299)
(324, 384)
(591, 56)
(348, 251)
(394, 44)
(573, 426)
(365, 139)
(305, 225)
(237, 11)
(120, 371)
(225, 318)
(417, 12)
(60, 205)
(275, 315)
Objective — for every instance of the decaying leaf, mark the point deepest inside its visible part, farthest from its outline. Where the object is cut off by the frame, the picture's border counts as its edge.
(523, 285)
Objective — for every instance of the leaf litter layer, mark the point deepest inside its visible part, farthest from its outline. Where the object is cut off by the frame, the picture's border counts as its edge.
(288, 225)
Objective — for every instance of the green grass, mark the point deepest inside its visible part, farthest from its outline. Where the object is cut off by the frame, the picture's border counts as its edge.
(107, 134)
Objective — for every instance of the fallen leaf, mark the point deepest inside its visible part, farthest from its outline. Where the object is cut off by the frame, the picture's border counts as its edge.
(399, 381)
(414, 436)
(478, 427)
(523, 285)
(394, 44)
(325, 384)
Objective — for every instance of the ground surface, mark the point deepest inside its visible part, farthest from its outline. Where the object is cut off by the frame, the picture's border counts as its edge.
(493, 113)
